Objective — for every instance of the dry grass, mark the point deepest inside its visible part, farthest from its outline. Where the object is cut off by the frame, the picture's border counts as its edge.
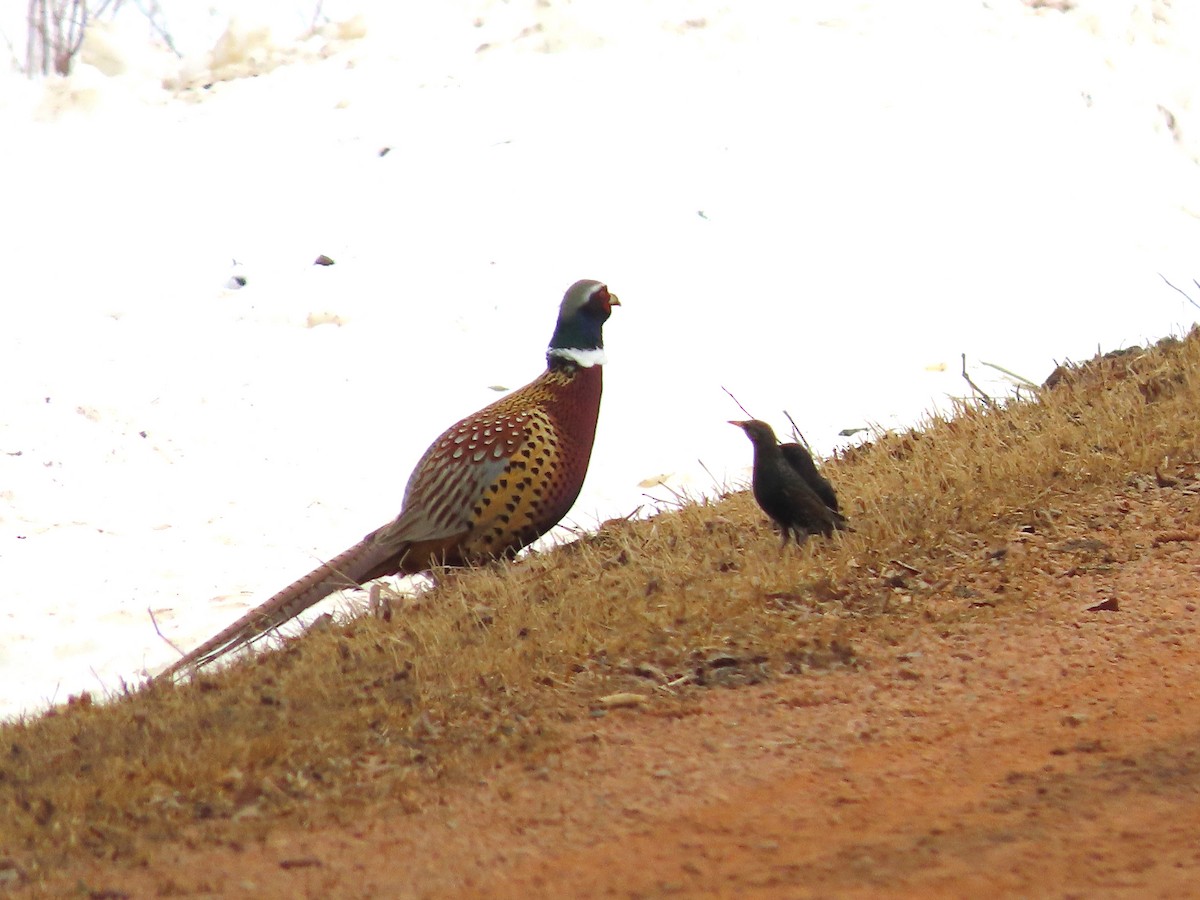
(492, 661)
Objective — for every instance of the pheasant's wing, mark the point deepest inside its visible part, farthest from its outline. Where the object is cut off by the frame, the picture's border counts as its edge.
(445, 489)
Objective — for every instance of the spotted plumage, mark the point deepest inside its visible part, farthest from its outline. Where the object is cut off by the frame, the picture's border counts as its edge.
(490, 485)
(789, 488)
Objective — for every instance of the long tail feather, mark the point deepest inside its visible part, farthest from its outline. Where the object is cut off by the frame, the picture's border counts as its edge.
(348, 569)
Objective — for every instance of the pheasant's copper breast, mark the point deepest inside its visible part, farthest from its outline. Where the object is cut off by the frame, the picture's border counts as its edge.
(545, 471)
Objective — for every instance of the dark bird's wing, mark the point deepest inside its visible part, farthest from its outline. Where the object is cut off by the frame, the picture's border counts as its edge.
(798, 507)
(802, 463)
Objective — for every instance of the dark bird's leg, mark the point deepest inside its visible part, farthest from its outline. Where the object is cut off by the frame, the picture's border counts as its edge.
(798, 535)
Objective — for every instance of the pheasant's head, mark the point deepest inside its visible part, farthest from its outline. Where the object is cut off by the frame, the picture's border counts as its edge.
(579, 334)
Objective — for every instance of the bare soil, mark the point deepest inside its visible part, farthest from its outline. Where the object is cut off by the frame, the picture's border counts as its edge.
(1047, 742)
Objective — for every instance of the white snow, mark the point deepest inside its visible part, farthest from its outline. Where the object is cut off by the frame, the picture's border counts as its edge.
(818, 206)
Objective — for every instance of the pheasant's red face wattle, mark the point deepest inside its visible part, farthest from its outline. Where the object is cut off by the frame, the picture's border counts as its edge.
(603, 301)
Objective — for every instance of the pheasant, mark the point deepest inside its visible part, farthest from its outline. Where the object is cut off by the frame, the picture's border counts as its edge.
(789, 488)
(488, 486)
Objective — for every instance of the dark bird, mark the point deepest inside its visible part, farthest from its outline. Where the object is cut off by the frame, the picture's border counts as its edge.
(789, 488)
(490, 485)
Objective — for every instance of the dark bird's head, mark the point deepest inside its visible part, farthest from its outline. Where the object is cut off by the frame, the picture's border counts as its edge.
(579, 334)
(759, 432)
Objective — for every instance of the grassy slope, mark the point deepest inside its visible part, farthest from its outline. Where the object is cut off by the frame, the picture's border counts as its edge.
(381, 710)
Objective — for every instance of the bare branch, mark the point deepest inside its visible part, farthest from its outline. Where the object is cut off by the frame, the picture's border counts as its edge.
(974, 387)
(36, 35)
(12, 51)
(721, 488)
(1185, 296)
(153, 13)
(55, 32)
(1011, 374)
(797, 434)
(737, 401)
(158, 631)
(318, 14)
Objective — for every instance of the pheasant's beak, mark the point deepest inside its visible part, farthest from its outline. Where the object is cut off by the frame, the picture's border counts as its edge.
(613, 301)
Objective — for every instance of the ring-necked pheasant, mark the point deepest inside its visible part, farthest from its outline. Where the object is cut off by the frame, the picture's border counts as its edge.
(490, 485)
(789, 488)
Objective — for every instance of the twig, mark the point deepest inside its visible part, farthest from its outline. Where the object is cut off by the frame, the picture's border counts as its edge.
(55, 32)
(986, 399)
(1011, 374)
(152, 15)
(35, 20)
(578, 531)
(720, 487)
(680, 500)
(158, 631)
(797, 433)
(737, 401)
(318, 12)
(12, 51)
(103, 687)
(912, 570)
(1185, 296)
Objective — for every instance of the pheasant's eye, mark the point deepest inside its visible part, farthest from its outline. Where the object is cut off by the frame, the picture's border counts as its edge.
(602, 298)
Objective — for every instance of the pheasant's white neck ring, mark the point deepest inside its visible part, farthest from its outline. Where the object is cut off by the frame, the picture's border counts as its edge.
(583, 358)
